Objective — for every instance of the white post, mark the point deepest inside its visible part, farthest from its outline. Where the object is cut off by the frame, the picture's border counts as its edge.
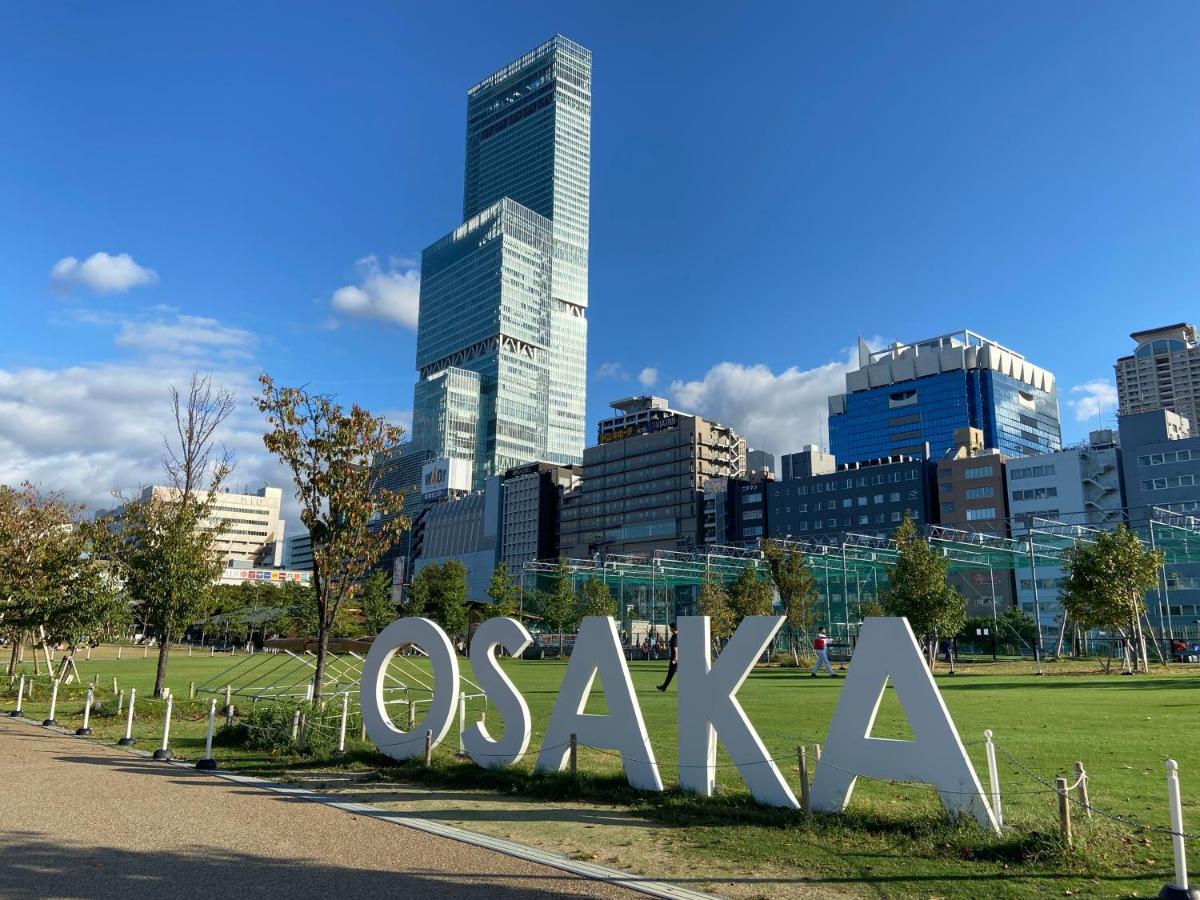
(993, 777)
(1180, 887)
(120, 702)
(164, 751)
(341, 747)
(83, 730)
(308, 693)
(50, 720)
(462, 722)
(208, 762)
(88, 655)
(128, 739)
(118, 651)
(20, 694)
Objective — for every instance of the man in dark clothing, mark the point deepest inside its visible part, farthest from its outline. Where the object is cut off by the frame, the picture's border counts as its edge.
(673, 650)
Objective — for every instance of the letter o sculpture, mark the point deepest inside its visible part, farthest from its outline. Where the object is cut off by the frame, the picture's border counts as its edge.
(425, 634)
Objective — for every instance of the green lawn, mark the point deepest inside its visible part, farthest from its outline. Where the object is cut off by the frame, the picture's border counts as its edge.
(894, 841)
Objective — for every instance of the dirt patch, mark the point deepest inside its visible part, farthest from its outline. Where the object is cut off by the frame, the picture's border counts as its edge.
(608, 835)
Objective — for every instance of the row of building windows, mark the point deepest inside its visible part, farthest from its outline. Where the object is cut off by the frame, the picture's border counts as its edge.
(1035, 493)
(1030, 472)
(984, 512)
(880, 518)
(1162, 484)
(1171, 456)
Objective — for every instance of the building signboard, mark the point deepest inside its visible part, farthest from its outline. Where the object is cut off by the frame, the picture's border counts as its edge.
(442, 476)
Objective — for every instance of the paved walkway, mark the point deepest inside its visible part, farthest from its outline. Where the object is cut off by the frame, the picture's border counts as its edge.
(81, 820)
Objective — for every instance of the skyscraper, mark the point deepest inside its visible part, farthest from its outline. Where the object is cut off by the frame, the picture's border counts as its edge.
(909, 395)
(502, 331)
(1162, 373)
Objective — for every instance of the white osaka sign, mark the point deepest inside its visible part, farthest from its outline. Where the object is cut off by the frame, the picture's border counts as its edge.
(708, 711)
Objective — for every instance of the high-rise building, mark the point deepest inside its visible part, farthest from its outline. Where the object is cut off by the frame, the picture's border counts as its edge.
(1162, 373)
(819, 501)
(502, 330)
(248, 528)
(532, 506)
(972, 497)
(1160, 457)
(909, 395)
(642, 487)
(1077, 486)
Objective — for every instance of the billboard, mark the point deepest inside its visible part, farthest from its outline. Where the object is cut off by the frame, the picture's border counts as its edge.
(441, 476)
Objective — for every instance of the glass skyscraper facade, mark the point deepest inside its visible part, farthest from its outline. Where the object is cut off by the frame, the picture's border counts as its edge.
(907, 396)
(502, 331)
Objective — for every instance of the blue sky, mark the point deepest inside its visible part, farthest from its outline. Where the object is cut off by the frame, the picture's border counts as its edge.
(768, 183)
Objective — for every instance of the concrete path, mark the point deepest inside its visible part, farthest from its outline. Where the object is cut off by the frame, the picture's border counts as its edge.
(81, 820)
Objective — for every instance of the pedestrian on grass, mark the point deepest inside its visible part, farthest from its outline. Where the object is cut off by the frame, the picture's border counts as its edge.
(821, 645)
(673, 657)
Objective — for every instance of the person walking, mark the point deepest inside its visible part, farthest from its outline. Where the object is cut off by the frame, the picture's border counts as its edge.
(821, 645)
(673, 656)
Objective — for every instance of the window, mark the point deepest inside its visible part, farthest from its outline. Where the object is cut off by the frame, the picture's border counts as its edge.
(753, 531)
(979, 493)
(1035, 493)
(878, 518)
(801, 507)
(755, 497)
(948, 507)
(914, 495)
(878, 498)
(911, 475)
(895, 517)
(752, 514)
(1030, 472)
(802, 526)
(863, 520)
(894, 496)
(973, 472)
(862, 501)
(976, 515)
(945, 489)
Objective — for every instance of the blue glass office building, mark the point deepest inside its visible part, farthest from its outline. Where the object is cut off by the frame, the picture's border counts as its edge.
(905, 396)
(502, 331)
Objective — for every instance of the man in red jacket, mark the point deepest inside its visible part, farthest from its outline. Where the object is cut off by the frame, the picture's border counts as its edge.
(821, 644)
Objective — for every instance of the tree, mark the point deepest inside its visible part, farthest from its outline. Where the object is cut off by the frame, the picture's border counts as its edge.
(439, 592)
(917, 589)
(32, 525)
(714, 603)
(558, 607)
(1105, 585)
(751, 594)
(351, 519)
(504, 591)
(375, 599)
(88, 605)
(170, 565)
(57, 583)
(797, 592)
(595, 598)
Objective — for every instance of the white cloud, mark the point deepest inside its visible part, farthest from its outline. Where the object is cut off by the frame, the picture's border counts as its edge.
(185, 336)
(389, 295)
(101, 273)
(401, 417)
(776, 412)
(612, 370)
(96, 429)
(1092, 399)
(648, 377)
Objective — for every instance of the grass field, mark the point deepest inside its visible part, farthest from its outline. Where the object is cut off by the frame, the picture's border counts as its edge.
(893, 841)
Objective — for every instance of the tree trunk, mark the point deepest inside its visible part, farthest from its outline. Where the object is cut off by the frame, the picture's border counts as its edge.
(12, 660)
(160, 675)
(322, 653)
